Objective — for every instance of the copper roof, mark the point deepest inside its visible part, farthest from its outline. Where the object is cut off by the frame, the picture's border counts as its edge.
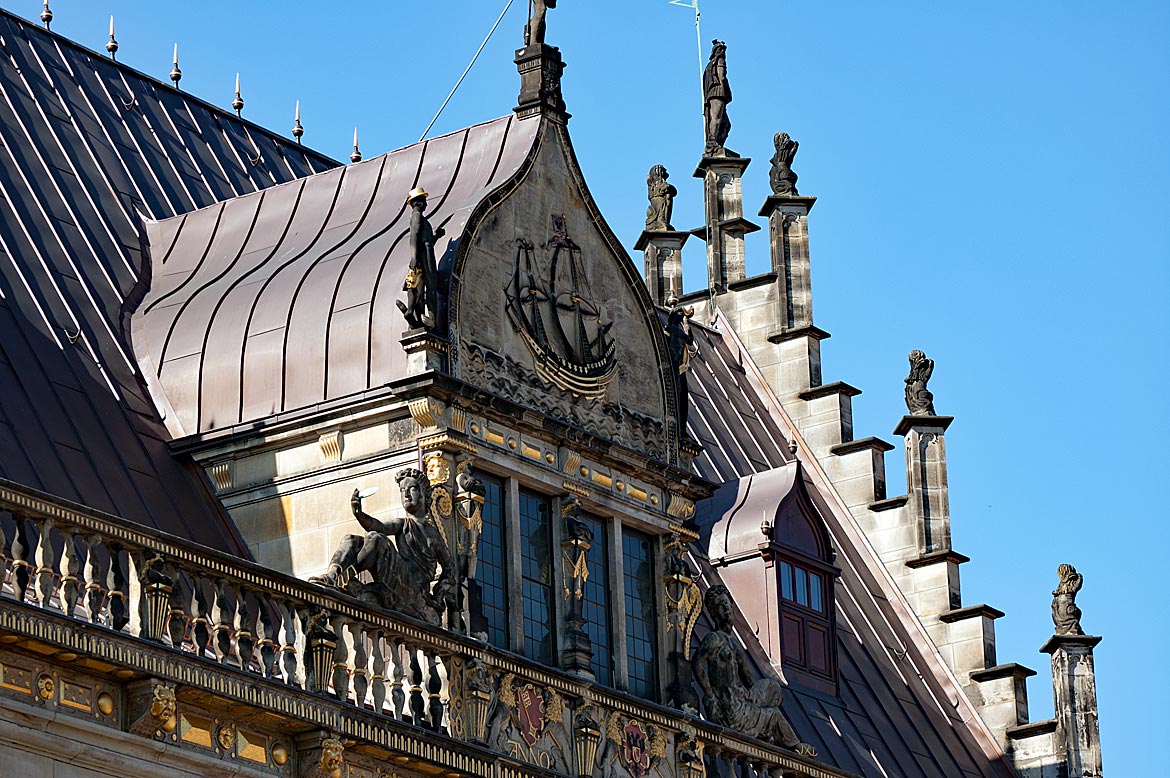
(86, 146)
(285, 298)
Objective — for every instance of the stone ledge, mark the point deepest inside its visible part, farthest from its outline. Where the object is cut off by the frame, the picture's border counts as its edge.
(862, 444)
(743, 285)
(740, 225)
(774, 201)
(1046, 727)
(889, 504)
(827, 390)
(649, 236)
(1057, 642)
(934, 557)
(971, 612)
(816, 333)
(716, 162)
(1011, 670)
(932, 422)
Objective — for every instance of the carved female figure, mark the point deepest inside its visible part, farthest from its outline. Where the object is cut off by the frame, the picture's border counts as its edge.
(731, 697)
(919, 400)
(661, 196)
(1065, 613)
(783, 178)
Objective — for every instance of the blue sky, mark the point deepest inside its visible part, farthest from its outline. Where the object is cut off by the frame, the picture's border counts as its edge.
(992, 182)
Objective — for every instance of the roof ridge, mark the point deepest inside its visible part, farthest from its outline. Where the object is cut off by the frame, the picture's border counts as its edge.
(156, 82)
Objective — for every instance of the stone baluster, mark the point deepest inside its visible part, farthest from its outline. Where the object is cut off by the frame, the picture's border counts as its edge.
(397, 692)
(176, 615)
(288, 643)
(22, 550)
(70, 591)
(200, 623)
(94, 594)
(417, 701)
(267, 632)
(378, 679)
(116, 578)
(46, 563)
(361, 662)
(221, 621)
(244, 623)
(434, 690)
(340, 675)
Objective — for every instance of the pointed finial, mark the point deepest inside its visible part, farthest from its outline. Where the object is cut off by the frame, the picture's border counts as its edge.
(238, 103)
(356, 156)
(112, 46)
(298, 130)
(47, 15)
(176, 74)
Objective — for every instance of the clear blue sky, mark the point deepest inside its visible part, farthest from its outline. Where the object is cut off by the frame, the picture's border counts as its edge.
(993, 189)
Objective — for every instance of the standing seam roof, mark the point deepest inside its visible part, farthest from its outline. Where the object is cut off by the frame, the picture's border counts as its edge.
(88, 147)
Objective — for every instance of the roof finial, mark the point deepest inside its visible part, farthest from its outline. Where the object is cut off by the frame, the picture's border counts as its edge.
(112, 46)
(238, 103)
(176, 74)
(46, 15)
(298, 130)
(356, 156)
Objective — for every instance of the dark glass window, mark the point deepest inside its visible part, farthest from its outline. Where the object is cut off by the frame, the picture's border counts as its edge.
(491, 572)
(801, 586)
(596, 605)
(536, 577)
(641, 659)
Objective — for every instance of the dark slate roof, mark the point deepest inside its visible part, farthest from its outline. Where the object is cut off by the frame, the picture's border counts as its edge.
(88, 147)
(898, 711)
(285, 298)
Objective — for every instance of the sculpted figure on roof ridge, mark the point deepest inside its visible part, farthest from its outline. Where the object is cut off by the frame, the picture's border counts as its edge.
(1065, 613)
(782, 177)
(919, 400)
(661, 196)
(421, 284)
(414, 573)
(537, 24)
(731, 697)
(716, 96)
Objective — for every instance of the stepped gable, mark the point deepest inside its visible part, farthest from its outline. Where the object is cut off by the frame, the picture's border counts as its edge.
(285, 299)
(897, 710)
(87, 146)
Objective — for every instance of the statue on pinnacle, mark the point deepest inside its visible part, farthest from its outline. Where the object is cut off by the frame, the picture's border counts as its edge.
(716, 96)
(537, 9)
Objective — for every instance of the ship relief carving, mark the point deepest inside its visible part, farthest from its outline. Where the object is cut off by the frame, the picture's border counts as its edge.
(527, 722)
(502, 375)
(553, 310)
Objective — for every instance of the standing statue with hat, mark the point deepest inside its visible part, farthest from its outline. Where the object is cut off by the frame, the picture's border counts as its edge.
(422, 276)
(537, 9)
(716, 96)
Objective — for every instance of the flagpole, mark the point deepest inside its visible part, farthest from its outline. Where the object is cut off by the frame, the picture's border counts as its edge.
(699, 41)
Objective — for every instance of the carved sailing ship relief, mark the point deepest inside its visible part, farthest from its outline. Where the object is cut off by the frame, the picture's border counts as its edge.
(555, 314)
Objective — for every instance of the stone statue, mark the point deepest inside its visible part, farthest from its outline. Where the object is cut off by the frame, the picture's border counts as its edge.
(918, 398)
(716, 95)
(661, 196)
(422, 277)
(679, 343)
(731, 697)
(783, 179)
(1065, 613)
(536, 21)
(413, 574)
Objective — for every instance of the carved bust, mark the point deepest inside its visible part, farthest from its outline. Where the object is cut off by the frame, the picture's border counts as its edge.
(919, 400)
(1065, 613)
(661, 196)
(731, 697)
(413, 574)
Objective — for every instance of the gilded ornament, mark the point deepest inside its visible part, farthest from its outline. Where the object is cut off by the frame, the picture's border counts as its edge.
(46, 687)
(226, 737)
(280, 754)
(105, 703)
(438, 469)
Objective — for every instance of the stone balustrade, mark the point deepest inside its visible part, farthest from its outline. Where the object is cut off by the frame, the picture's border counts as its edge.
(101, 575)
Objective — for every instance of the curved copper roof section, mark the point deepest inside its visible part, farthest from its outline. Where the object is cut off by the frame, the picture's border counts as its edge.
(284, 299)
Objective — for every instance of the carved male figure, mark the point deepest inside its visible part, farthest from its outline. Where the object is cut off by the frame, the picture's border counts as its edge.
(661, 196)
(1065, 613)
(919, 400)
(783, 178)
(536, 22)
(731, 697)
(405, 569)
(679, 342)
(422, 276)
(717, 94)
